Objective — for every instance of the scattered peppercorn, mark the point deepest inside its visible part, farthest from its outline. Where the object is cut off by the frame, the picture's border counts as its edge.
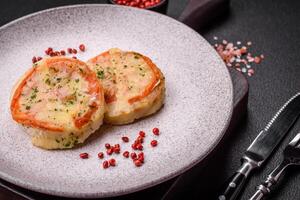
(133, 155)
(100, 155)
(138, 163)
(34, 60)
(105, 164)
(62, 52)
(112, 162)
(107, 146)
(126, 154)
(125, 139)
(69, 50)
(74, 51)
(142, 133)
(154, 143)
(138, 3)
(84, 155)
(82, 47)
(155, 131)
(110, 151)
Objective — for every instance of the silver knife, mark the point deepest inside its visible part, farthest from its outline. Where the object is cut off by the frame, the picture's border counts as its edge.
(263, 145)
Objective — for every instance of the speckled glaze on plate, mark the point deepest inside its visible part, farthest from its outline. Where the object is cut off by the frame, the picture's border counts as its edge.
(197, 108)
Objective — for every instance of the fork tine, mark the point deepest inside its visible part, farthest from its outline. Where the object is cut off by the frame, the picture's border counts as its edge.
(296, 141)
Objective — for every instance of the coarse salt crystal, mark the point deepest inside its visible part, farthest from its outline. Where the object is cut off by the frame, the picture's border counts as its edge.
(251, 71)
(250, 59)
(237, 56)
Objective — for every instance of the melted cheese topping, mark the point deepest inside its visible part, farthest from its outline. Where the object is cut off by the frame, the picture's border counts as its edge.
(59, 94)
(124, 75)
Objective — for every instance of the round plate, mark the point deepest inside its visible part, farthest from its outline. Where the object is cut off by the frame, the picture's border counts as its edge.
(196, 113)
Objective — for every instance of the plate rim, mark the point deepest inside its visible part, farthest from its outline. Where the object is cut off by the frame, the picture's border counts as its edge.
(27, 185)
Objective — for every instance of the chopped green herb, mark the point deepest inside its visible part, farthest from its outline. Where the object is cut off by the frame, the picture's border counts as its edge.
(100, 74)
(35, 90)
(27, 107)
(47, 81)
(33, 96)
(77, 80)
(67, 144)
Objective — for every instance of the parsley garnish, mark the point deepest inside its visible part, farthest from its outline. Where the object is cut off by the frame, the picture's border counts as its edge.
(100, 74)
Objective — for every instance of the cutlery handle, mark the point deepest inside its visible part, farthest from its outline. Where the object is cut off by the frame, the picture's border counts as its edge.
(237, 181)
(199, 13)
(234, 185)
(266, 187)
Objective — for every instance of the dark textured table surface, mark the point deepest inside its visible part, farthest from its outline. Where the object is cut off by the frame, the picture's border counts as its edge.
(274, 29)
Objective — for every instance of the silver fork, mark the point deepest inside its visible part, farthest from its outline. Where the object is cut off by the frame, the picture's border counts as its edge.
(291, 157)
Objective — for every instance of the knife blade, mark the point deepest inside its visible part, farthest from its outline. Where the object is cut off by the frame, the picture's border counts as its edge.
(263, 145)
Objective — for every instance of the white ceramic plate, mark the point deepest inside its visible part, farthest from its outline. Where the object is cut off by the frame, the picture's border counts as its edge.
(197, 108)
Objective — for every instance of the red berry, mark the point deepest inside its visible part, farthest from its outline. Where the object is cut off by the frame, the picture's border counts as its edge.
(62, 52)
(140, 156)
(100, 155)
(74, 51)
(69, 50)
(84, 155)
(133, 146)
(52, 54)
(112, 162)
(155, 131)
(139, 147)
(133, 155)
(110, 151)
(117, 146)
(154, 143)
(116, 150)
(39, 58)
(74, 57)
(126, 154)
(140, 139)
(34, 60)
(107, 146)
(125, 139)
(82, 47)
(48, 51)
(105, 164)
(138, 163)
(142, 133)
